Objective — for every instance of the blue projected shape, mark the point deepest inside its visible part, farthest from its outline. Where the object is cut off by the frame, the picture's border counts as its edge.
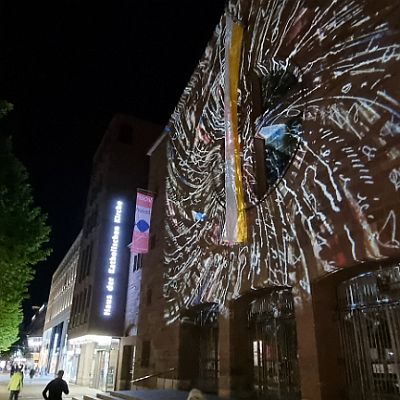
(199, 216)
(274, 136)
(142, 225)
(280, 141)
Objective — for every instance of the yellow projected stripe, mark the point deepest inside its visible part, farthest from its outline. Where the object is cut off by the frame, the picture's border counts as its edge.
(234, 65)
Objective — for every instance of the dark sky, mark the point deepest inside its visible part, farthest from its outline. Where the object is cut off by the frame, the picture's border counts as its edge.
(68, 66)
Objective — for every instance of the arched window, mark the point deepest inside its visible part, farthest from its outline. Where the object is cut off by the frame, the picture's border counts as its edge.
(278, 125)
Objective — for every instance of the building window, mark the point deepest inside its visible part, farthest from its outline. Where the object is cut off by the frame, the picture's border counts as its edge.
(76, 312)
(280, 143)
(81, 265)
(87, 303)
(85, 262)
(275, 86)
(279, 127)
(89, 260)
(145, 354)
(136, 261)
(79, 309)
(83, 306)
(91, 222)
(73, 312)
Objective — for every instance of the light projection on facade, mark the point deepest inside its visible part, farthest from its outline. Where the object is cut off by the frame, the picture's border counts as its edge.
(318, 126)
(235, 229)
(113, 259)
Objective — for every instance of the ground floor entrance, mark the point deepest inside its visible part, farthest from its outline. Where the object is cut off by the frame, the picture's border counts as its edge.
(340, 340)
(127, 364)
(94, 363)
(199, 363)
(369, 317)
(273, 343)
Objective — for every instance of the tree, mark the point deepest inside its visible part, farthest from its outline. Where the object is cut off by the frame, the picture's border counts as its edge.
(11, 317)
(23, 234)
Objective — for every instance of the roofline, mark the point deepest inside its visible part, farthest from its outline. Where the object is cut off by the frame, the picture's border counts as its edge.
(153, 148)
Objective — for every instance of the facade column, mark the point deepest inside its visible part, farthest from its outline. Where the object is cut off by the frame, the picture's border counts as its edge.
(307, 350)
(85, 364)
(224, 344)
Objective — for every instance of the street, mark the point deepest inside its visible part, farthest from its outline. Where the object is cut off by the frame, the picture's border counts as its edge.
(33, 388)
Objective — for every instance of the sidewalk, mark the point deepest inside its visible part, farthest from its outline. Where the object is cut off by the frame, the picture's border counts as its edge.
(32, 389)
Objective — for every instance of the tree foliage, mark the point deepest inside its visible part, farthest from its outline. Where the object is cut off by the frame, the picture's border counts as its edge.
(11, 316)
(23, 234)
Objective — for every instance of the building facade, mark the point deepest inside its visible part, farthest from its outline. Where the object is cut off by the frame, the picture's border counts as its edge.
(278, 276)
(152, 354)
(99, 300)
(128, 344)
(53, 355)
(34, 339)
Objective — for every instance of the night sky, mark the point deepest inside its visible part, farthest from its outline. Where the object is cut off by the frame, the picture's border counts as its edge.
(68, 66)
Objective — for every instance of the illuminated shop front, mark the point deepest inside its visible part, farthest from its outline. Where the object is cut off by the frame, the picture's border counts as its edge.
(282, 196)
(96, 354)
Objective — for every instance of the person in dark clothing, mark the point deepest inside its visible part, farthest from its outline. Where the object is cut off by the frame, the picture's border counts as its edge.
(55, 388)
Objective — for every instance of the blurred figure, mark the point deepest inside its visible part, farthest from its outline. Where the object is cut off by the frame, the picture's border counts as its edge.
(195, 394)
(32, 373)
(56, 387)
(15, 385)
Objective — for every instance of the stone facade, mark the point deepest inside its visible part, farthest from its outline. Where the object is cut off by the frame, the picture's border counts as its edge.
(318, 122)
(151, 327)
(53, 353)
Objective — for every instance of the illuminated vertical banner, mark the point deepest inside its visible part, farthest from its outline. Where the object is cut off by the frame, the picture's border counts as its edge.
(113, 258)
(141, 230)
(235, 230)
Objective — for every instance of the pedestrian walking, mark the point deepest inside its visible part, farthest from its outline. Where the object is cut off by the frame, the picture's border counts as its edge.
(55, 388)
(32, 373)
(15, 384)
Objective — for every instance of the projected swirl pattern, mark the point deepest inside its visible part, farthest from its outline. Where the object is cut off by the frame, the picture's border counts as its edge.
(332, 200)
